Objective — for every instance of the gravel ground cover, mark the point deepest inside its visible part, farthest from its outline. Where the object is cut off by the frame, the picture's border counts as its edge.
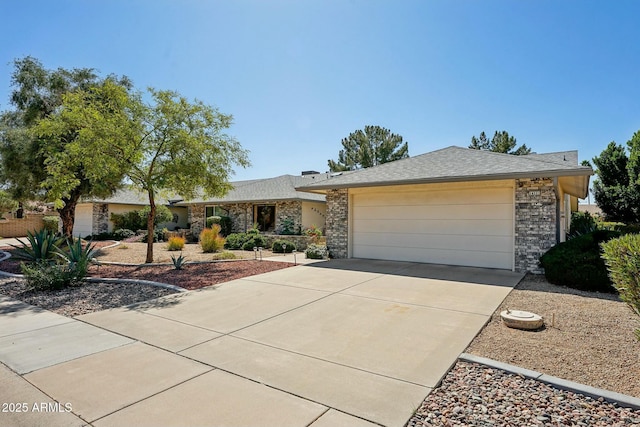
(477, 395)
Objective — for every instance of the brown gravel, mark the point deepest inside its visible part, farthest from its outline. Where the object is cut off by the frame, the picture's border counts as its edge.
(590, 342)
(193, 276)
(84, 299)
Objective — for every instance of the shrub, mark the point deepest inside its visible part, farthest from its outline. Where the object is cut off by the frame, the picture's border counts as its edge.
(158, 236)
(51, 223)
(577, 263)
(286, 227)
(622, 256)
(225, 225)
(175, 243)
(46, 275)
(41, 245)
(137, 220)
(212, 220)
(277, 246)
(210, 239)
(581, 223)
(123, 233)
(236, 240)
(255, 240)
(224, 255)
(316, 252)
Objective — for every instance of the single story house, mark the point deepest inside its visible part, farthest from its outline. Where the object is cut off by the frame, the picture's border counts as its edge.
(271, 203)
(93, 215)
(455, 206)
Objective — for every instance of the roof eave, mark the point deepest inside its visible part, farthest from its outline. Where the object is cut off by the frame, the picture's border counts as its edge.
(489, 177)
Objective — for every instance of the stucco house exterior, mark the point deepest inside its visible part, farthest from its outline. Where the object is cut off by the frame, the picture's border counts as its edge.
(268, 202)
(93, 216)
(455, 206)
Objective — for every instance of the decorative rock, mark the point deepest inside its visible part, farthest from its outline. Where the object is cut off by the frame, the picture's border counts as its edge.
(521, 319)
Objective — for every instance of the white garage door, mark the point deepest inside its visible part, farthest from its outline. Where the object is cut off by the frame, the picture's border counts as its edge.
(464, 226)
(84, 220)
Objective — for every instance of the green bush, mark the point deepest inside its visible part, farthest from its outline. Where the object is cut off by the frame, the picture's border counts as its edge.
(224, 255)
(286, 227)
(581, 223)
(46, 275)
(212, 220)
(225, 225)
(236, 240)
(40, 245)
(158, 236)
(137, 220)
(255, 240)
(577, 263)
(622, 256)
(210, 239)
(289, 247)
(51, 223)
(316, 252)
(123, 233)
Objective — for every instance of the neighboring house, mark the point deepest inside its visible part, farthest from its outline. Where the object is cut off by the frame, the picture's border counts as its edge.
(267, 202)
(593, 209)
(93, 216)
(455, 206)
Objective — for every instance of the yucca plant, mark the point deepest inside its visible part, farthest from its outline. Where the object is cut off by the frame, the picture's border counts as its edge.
(42, 245)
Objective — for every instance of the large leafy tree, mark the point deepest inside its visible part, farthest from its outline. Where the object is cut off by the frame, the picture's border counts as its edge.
(41, 163)
(501, 142)
(617, 188)
(369, 147)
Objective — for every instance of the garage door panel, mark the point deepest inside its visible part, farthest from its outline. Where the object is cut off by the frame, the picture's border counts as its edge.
(466, 212)
(83, 222)
(464, 226)
(467, 196)
(493, 227)
(433, 241)
(439, 256)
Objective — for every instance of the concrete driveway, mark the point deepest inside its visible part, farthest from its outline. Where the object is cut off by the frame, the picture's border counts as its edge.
(345, 342)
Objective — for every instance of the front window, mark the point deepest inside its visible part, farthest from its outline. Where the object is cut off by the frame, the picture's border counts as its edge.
(265, 216)
(213, 211)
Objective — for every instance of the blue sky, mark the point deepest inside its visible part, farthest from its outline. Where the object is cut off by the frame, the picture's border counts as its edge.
(298, 76)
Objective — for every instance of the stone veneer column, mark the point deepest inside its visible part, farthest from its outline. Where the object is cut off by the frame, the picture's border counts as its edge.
(535, 224)
(100, 223)
(337, 223)
(195, 217)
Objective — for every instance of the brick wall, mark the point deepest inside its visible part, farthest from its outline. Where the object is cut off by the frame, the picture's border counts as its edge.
(337, 223)
(535, 224)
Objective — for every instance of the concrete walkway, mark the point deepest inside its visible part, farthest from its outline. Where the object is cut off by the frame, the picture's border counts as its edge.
(344, 342)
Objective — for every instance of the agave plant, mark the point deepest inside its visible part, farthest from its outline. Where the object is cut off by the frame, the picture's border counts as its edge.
(77, 256)
(179, 262)
(41, 245)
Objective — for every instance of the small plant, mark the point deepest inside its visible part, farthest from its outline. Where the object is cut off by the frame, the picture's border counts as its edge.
(77, 257)
(51, 223)
(212, 220)
(316, 252)
(622, 256)
(236, 240)
(224, 255)
(283, 246)
(123, 246)
(286, 228)
(176, 243)
(314, 232)
(210, 239)
(254, 230)
(123, 233)
(41, 245)
(254, 241)
(46, 275)
(179, 262)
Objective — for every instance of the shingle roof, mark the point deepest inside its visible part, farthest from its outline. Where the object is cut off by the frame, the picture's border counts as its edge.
(458, 164)
(279, 188)
(128, 196)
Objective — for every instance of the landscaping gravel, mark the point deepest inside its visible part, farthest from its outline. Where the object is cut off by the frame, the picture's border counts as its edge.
(476, 395)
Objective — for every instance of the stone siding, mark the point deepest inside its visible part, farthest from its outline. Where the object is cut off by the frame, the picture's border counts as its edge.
(291, 210)
(535, 222)
(241, 215)
(337, 224)
(100, 222)
(196, 220)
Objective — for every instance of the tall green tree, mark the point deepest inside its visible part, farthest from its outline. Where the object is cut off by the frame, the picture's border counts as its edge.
(501, 142)
(369, 147)
(37, 163)
(617, 187)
